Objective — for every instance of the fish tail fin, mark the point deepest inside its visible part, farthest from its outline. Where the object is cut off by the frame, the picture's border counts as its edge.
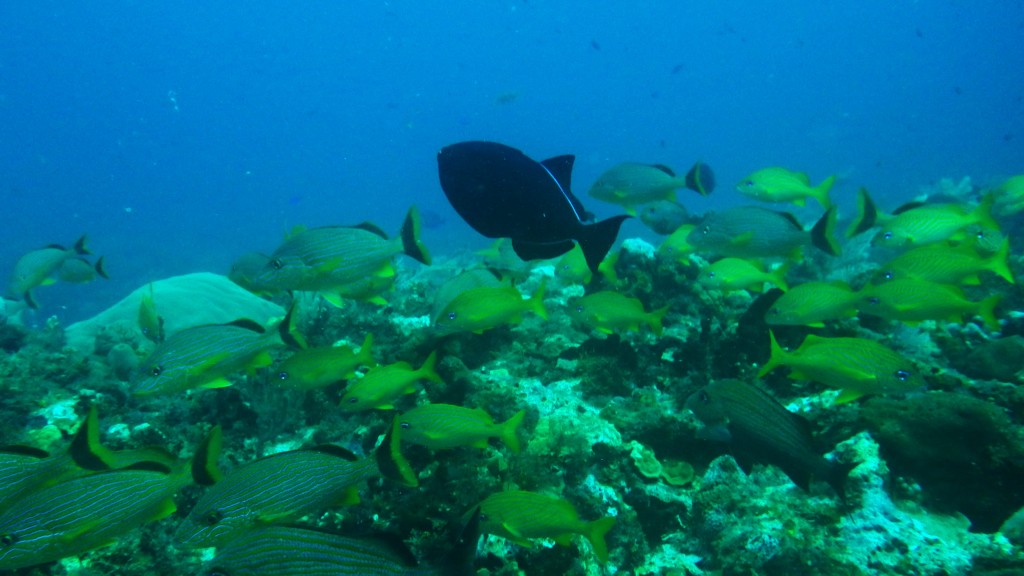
(987, 311)
(821, 192)
(595, 534)
(775, 359)
(867, 214)
(86, 450)
(82, 245)
(778, 276)
(654, 319)
(390, 462)
(288, 331)
(999, 263)
(536, 301)
(823, 233)
(607, 268)
(411, 243)
(365, 355)
(204, 461)
(983, 213)
(101, 268)
(596, 239)
(508, 431)
(427, 372)
(459, 559)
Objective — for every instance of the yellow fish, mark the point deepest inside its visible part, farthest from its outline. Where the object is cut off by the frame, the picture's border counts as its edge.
(677, 246)
(442, 426)
(857, 366)
(917, 224)
(382, 385)
(944, 264)
(781, 185)
(521, 516)
(1010, 196)
(314, 368)
(150, 322)
(813, 303)
(480, 309)
(609, 311)
(911, 300)
(740, 274)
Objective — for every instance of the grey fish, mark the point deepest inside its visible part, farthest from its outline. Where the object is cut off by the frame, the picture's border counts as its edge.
(41, 267)
(664, 216)
(761, 429)
(298, 551)
(755, 232)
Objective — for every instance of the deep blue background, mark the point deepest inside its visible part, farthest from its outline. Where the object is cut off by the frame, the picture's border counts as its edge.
(180, 135)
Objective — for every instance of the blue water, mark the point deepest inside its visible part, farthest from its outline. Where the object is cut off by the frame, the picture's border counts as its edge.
(181, 135)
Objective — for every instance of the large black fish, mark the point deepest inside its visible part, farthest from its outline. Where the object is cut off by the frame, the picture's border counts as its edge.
(503, 193)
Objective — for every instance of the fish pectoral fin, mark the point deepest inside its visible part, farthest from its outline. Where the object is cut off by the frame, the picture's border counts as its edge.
(386, 271)
(261, 360)
(163, 510)
(84, 528)
(217, 383)
(349, 497)
(848, 395)
(516, 534)
(742, 239)
(48, 282)
(334, 299)
(481, 443)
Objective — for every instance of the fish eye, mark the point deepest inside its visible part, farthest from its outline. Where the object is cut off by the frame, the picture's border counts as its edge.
(711, 274)
(353, 400)
(452, 315)
(282, 375)
(889, 275)
(887, 236)
(774, 311)
(405, 425)
(157, 370)
(874, 300)
(579, 309)
(705, 230)
(902, 375)
(8, 540)
(702, 396)
(214, 517)
(277, 263)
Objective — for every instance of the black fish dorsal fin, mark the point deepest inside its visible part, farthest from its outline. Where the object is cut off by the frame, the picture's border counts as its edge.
(372, 228)
(664, 169)
(248, 325)
(561, 168)
(335, 450)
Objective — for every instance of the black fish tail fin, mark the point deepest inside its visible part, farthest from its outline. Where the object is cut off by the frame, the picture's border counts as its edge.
(82, 246)
(597, 239)
(390, 462)
(867, 214)
(823, 234)
(101, 268)
(204, 461)
(411, 243)
(86, 450)
(459, 560)
(287, 330)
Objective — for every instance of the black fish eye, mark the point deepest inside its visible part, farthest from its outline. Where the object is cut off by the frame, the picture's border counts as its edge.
(157, 370)
(703, 397)
(277, 263)
(8, 539)
(214, 517)
(405, 425)
(452, 315)
(887, 236)
(889, 275)
(874, 300)
(282, 375)
(353, 400)
(711, 274)
(902, 375)
(705, 230)
(579, 309)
